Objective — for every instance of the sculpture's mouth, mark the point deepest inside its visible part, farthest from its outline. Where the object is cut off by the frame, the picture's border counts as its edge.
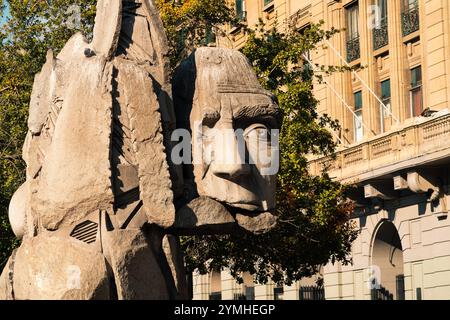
(204, 215)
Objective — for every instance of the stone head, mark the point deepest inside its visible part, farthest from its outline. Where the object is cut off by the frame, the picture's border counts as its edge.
(234, 125)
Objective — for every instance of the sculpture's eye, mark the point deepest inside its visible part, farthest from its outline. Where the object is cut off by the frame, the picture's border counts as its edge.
(257, 132)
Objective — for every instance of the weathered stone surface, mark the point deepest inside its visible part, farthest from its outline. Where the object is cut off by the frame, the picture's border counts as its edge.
(75, 177)
(174, 256)
(203, 215)
(257, 224)
(18, 210)
(107, 28)
(145, 126)
(6, 289)
(216, 93)
(47, 267)
(41, 95)
(136, 268)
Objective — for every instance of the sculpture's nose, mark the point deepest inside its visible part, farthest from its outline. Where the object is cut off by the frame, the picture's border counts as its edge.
(229, 155)
(230, 170)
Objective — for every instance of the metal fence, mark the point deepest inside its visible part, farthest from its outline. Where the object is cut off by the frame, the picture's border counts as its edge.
(311, 293)
(381, 294)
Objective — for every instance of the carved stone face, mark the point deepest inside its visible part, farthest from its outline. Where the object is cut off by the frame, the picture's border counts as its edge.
(234, 126)
(232, 139)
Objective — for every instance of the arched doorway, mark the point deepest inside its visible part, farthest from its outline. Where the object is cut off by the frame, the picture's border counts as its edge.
(387, 262)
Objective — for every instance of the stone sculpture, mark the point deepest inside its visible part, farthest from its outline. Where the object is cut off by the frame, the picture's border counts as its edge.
(103, 203)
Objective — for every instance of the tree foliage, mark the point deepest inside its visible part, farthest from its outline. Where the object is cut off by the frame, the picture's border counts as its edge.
(192, 23)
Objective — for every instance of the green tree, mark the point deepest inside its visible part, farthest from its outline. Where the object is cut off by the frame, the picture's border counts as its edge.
(314, 226)
(192, 23)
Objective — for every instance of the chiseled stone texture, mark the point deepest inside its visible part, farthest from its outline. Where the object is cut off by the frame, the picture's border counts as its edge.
(134, 92)
(42, 272)
(137, 271)
(174, 256)
(257, 224)
(75, 177)
(204, 215)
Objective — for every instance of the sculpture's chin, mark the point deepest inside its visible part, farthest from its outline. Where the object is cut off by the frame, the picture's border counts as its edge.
(205, 215)
(257, 223)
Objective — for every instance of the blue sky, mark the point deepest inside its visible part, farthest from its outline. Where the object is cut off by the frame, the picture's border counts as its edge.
(3, 18)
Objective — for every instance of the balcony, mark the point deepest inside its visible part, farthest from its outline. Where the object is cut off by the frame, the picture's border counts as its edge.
(353, 49)
(410, 20)
(424, 141)
(380, 35)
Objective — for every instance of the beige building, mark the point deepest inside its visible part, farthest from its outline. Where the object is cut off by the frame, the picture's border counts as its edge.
(394, 145)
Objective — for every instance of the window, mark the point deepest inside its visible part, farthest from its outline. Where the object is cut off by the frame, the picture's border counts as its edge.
(215, 296)
(353, 22)
(240, 9)
(357, 121)
(400, 286)
(352, 17)
(380, 32)
(385, 111)
(416, 98)
(278, 293)
(250, 293)
(382, 4)
(410, 16)
(410, 5)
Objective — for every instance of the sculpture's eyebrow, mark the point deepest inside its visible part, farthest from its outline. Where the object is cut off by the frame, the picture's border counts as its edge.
(210, 117)
(256, 111)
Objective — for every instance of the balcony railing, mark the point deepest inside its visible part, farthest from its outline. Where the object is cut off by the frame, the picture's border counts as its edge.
(381, 294)
(380, 35)
(427, 137)
(353, 49)
(312, 293)
(410, 20)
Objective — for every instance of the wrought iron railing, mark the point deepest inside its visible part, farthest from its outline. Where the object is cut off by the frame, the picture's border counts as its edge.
(312, 293)
(239, 296)
(381, 294)
(410, 20)
(380, 35)
(353, 49)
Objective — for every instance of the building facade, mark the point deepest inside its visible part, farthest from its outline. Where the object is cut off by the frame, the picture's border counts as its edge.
(394, 145)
